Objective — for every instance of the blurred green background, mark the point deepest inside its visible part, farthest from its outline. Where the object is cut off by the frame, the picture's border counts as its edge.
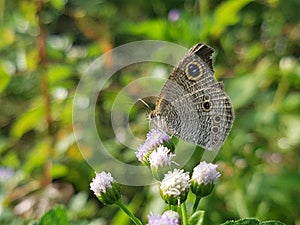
(46, 45)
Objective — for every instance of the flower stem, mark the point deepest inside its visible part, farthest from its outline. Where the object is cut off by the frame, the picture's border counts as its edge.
(196, 204)
(126, 210)
(173, 207)
(184, 214)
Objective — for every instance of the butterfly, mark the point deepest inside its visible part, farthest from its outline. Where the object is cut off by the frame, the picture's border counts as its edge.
(192, 105)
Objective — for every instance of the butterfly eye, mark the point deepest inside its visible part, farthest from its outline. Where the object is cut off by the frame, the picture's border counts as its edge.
(215, 129)
(217, 119)
(206, 106)
(193, 71)
(206, 97)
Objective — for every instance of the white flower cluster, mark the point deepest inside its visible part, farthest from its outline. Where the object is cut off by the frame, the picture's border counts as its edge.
(101, 182)
(175, 183)
(205, 173)
(160, 157)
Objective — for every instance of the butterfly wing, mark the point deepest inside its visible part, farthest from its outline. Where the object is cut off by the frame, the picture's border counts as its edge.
(193, 105)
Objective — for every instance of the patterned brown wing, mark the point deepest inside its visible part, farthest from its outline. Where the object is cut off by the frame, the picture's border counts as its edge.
(193, 105)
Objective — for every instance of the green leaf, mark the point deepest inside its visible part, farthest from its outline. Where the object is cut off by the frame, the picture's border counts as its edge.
(58, 72)
(272, 222)
(10, 159)
(292, 130)
(38, 156)
(59, 170)
(58, 4)
(4, 78)
(242, 222)
(28, 120)
(227, 14)
(252, 221)
(57, 216)
(197, 218)
(154, 29)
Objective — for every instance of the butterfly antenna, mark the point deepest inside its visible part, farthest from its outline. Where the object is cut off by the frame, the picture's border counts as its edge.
(149, 111)
(145, 103)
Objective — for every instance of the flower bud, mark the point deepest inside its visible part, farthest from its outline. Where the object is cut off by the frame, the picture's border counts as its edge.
(175, 186)
(160, 161)
(204, 178)
(105, 188)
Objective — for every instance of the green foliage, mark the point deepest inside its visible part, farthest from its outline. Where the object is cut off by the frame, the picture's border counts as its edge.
(45, 47)
(55, 215)
(227, 13)
(197, 218)
(252, 222)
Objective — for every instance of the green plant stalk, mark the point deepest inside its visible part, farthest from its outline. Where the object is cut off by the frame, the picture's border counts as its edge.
(196, 203)
(184, 214)
(173, 207)
(126, 210)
